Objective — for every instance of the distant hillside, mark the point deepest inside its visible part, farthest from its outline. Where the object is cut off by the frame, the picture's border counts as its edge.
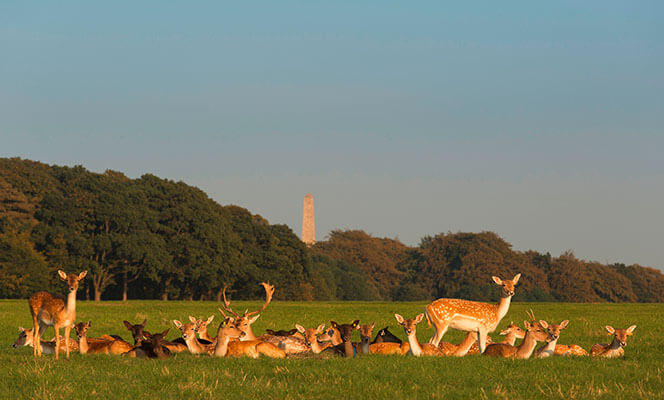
(155, 238)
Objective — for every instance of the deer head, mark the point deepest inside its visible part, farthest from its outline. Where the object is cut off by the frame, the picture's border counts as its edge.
(227, 329)
(243, 322)
(82, 329)
(72, 279)
(620, 335)
(281, 332)
(409, 325)
(137, 331)
(508, 285)
(187, 330)
(346, 330)
(513, 329)
(310, 334)
(554, 330)
(539, 330)
(366, 331)
(25, 337)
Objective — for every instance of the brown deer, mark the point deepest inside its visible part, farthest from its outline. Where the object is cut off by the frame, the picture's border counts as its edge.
(535, 331)
(189, 335)
(104, 345)
(236, 348)
(26, 336)
(137, 331)
(139, 334)
(549, 348)
(384, 335)
(415, 348)
(366, 331)
(346, 348)
(569, 350)
(291, 345)
(470, 316)
(311, 338)
(615, 349)
(153, 346)
(48, 310)
(202, 328)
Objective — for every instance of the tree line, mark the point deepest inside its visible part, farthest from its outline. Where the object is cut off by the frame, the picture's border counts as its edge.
(153, 238)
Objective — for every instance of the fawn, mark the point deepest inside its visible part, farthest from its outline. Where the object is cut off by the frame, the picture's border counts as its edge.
(415, 348)
(615, 349)
(549, 348)
(48, 310)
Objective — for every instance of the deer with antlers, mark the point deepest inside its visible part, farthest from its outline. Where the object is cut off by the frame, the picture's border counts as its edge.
(48, 310)
(290, 344)
(615, 348)
(470, 316)
(228, 345)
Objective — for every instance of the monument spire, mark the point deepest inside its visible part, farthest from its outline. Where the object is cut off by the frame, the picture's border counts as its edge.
(308, 220)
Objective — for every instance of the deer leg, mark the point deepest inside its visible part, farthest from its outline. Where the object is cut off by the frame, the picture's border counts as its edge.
(57, 340)
(36, 343)
(439, 331)
(481, 339)
(67, 331)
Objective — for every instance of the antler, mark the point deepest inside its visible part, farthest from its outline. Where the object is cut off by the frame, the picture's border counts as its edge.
(531, 315)
(269, 291)
(227, 304)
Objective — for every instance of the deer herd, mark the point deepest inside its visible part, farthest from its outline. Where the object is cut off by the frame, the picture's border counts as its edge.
(234, 336)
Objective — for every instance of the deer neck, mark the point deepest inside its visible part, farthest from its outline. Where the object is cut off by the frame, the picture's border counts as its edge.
(415, 347)
(83, 344)
(365, 347)
(525, 349)
(548, 349)
(193, 345)
(203, 334)
(503, 306)
(615, 344)
(70, 307)
(510, 338)
(221, 349)
(349, 350)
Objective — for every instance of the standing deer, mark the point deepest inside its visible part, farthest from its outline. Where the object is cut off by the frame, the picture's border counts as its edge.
(48, 310)
(470, 316)
(615, 349)
(291, 345)
(416, 349)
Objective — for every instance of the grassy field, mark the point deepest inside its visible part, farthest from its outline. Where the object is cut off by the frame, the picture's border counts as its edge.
(640, 374)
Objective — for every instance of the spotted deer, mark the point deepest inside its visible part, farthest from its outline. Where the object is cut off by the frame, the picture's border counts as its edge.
(290, 344)
(569, 350)
(470, 316)
(549, 348)
(615, 348)
(535, 332)
(415, 348)
(26, 336)
(48, 310)
(237, 348)
(104, 345)
(189, 335)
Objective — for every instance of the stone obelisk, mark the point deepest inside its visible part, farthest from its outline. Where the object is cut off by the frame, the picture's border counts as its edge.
(308, 221)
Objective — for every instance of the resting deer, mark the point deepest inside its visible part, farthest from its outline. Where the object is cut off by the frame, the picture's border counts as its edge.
(366, 331)
(470, 316)
(384, 335)
(137, 331)
(104, 345)
(189, 335)
(416, 349)
(615, 349)
(569, 350)
(291, 345)
(48, 310)
(346, 348)
(251, 348)
(535, 331)
(153, 346)
(549, 348)
(26, 336)
(202, 328)
(311, 338)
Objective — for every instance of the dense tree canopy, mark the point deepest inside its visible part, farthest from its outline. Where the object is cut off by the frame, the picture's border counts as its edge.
(155, 238)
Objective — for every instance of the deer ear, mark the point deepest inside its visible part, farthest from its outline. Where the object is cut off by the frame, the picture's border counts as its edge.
(145, 320)
(89, 324)
(320, 328)
(252, 320)
(356, 323)
(516, 279)
(334, 324)
(210, 319)
(418, 319)
(631, 329)
(177, 323)
(192, 319)
(373, 325)
(543, 324)
(399, 318)
(497, 280)
(20, 329)
(82, 275)
(526, 324)
(563, 324)
(164, 333)
(299, 328)
(62, 275)
(610, 329)
(127, 325)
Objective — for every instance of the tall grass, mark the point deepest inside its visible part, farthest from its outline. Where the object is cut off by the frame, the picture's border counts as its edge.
(640, 374)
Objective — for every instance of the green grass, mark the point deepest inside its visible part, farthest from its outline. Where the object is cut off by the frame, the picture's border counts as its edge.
(640, 374)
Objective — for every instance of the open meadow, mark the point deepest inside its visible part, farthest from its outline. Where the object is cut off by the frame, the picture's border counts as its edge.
(640, 374)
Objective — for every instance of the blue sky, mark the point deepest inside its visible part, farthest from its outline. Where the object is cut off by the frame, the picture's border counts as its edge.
(541, 122)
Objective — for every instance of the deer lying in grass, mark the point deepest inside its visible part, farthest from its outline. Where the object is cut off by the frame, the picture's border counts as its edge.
(384, 335)
(202, 329)
(366, 331)
(346, 348)
(49, 310)
(549, 348)
(189, 335)
(414, 347)
(569, 350)
(535, 331)
(615, 348)
(470, 316)
(311, 338)
(104, 345)
(139, 334)
(291, 345)
(236, 348)
(26, 336)
(153, 346)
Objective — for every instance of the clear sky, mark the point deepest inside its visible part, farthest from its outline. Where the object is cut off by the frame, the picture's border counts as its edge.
(541, 121)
